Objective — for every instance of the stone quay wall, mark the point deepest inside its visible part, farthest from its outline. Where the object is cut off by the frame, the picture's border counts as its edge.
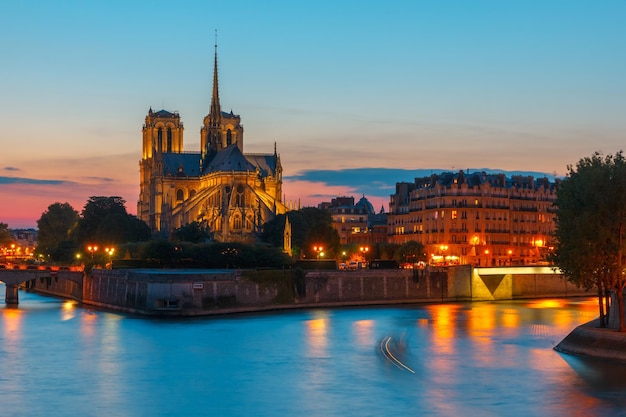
(56, 285)
(205, 292)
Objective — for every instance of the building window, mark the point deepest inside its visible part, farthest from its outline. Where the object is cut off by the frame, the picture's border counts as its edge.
(454, 214)
(237, 222)
(229, 137)
(169, 139)
(180, 195)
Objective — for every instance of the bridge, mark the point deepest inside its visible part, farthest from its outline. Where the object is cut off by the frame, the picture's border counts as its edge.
(13, 276)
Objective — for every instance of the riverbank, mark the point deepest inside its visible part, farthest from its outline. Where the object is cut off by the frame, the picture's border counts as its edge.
(207, 292)
(592, 341)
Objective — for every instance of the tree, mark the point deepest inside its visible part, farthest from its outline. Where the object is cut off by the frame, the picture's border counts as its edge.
(591, 227)
(193, 232)
(410, 252)
(5, 235)
(309, 227)
(104, 220)
(54, 232)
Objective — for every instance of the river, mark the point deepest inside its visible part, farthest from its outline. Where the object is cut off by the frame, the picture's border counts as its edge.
(480, 359)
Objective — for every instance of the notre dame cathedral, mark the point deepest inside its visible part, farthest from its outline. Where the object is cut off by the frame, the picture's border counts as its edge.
(231, 193)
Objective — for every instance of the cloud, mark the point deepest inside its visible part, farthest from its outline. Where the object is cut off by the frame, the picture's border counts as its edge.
(18, 180)
(11, 169)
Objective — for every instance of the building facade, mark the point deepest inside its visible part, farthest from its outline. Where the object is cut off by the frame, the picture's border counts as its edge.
(480, 219)
(357, 222)
(230, 192)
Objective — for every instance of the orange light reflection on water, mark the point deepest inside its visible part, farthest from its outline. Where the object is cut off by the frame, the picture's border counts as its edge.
(317, 338)
(363, 330)
(11, 323)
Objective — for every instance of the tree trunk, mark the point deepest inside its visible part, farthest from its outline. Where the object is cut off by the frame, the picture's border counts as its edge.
(600, 302)
(620, 308)
(607, 307)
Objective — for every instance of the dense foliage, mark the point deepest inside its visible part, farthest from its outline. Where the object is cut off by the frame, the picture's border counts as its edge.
(310, 227)
(165, 253)
(5, 235)
(105, 220)
(193, 232)
(591, 226)
(410, 252)
(63, 233)
(55, 227)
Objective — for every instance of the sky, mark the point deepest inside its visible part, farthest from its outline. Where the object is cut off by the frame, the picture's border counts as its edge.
(357, 95)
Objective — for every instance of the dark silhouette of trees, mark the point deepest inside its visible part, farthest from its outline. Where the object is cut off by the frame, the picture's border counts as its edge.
(309, 227)
(410, 252)
(104, 220)
(54, 232)
(591, 227)
(5, 235)
(193, 232)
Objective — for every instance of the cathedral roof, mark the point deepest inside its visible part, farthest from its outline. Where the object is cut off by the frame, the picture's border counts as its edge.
(265, 162)
(164, 113)
(181, 164)
(229, 159)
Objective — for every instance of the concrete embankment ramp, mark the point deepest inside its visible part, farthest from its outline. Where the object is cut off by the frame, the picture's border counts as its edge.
(590, 340)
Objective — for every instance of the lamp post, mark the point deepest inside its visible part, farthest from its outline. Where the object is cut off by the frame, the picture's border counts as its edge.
(319, 251)
(110, 252)
(510, 257)
(91, 249)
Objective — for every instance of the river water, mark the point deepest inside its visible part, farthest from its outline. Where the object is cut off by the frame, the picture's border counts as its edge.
(480, 359)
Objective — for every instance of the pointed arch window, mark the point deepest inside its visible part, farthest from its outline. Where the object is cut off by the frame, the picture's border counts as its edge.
(180, 195)
(249, 223)
(160, 139)
(169, 139)
(229, 137)
(237, 222)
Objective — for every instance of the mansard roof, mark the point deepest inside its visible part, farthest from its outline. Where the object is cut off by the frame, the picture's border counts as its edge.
(181, 164)
(229, 159)
(479, 178)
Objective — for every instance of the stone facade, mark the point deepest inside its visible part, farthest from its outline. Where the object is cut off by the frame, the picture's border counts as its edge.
(479, 219)
(229, 192)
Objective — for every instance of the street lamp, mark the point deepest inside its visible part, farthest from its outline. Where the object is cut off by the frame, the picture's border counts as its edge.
(110, 252)
(318, 250)
(91, 249)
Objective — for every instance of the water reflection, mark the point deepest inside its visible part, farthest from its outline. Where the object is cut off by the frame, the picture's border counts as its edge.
(486, 359)
(317, 338)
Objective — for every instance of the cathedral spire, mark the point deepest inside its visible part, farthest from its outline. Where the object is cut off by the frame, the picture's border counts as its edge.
(216, 111)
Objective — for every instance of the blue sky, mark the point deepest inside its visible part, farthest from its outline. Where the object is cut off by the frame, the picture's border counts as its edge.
(377, 89)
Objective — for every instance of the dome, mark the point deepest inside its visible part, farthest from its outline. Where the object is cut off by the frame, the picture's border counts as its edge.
(364, 203)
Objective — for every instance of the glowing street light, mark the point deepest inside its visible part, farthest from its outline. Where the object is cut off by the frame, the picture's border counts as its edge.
(110, 252)
(319, 250)
(92, 249)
